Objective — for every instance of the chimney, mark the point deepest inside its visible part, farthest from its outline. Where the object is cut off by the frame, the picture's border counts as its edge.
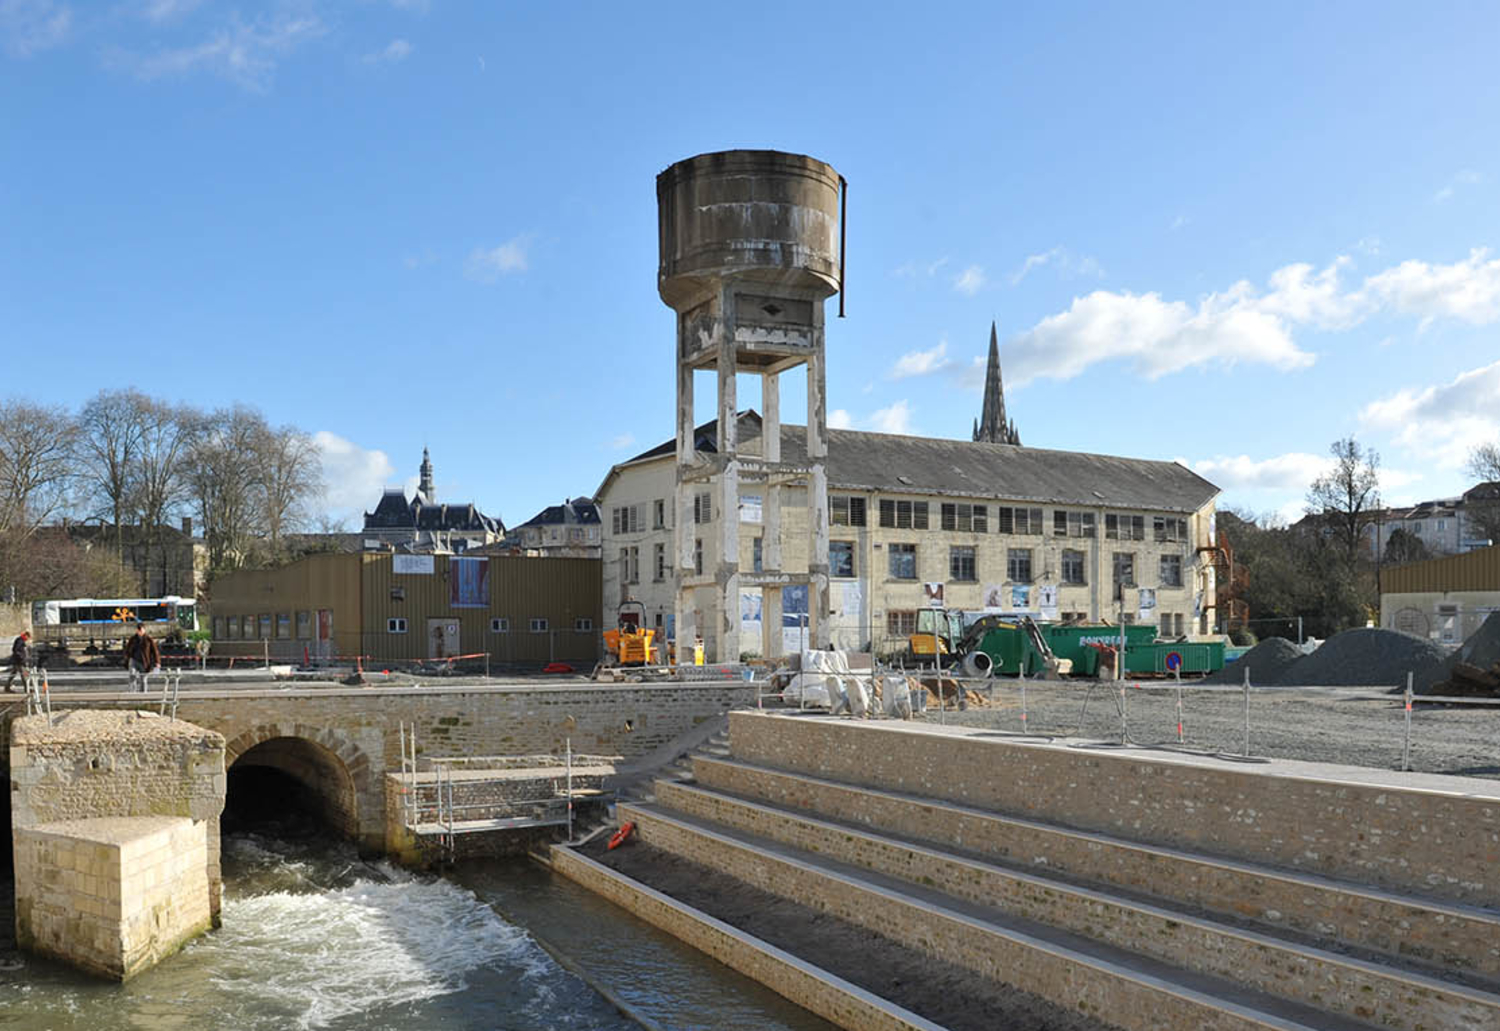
(187, 526)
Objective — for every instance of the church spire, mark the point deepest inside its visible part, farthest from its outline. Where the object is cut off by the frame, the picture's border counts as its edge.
(424, 485)
(992, 427)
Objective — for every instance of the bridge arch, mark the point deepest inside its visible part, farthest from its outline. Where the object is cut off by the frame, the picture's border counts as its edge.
(334, 770)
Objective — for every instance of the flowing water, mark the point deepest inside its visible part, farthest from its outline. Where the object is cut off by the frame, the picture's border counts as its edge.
(315, 938)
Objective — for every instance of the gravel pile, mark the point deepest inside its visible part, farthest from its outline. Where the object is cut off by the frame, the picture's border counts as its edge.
(1267, 661)
(1367, 657)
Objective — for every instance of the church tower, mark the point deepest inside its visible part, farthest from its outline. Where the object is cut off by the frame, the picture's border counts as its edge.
(424, 485)
(991, 427)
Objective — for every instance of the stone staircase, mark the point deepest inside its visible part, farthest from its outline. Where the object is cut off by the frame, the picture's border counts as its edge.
(1144, 890)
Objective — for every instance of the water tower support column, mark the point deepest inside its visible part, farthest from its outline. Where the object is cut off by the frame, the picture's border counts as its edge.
(727, 572)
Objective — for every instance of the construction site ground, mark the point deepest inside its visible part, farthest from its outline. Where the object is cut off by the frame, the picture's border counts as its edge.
(1315, 724)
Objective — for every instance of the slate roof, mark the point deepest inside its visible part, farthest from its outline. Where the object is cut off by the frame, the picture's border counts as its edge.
(395, 513)
(894, 464)
(577, 512)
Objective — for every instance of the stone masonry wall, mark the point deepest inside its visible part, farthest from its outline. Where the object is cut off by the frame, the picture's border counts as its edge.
(1431, 835)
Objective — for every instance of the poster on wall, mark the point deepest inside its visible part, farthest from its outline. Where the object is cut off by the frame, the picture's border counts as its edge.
(1020, 597)
(412, 565)
(469, 583)
(994, 598)
(1046, 600)
(796, 632)
(932, 594)
(751, 620)
(749, 508)
(1147, 612)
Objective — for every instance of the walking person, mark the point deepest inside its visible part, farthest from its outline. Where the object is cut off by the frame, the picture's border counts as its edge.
(20, 660)
(142, 657)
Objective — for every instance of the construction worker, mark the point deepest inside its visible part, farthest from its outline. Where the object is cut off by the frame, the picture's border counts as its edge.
(20, 660)
(142, 657)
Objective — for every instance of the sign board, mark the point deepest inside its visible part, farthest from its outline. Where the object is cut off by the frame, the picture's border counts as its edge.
(413, 565)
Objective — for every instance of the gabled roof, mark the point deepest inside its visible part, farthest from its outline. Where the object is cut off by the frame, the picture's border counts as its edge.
(392, 512)
(896, 464)
(577, 512)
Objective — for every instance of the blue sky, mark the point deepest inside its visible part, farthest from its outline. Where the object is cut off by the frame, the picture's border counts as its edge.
(1222, 236)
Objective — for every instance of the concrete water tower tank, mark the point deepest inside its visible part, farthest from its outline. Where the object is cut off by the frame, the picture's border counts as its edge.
(750, 248)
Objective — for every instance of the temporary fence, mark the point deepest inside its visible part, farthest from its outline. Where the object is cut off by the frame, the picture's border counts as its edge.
(1001, 700)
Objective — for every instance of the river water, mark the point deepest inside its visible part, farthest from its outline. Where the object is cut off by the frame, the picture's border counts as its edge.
(315, 938)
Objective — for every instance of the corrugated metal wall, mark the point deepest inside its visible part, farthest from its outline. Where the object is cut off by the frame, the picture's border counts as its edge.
(561, 591)
(330, 582)
(1478, 570)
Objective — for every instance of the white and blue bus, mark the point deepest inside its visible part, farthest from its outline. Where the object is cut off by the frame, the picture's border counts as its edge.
(77, 618)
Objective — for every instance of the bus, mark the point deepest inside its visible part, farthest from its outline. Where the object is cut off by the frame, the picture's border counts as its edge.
(77, 619)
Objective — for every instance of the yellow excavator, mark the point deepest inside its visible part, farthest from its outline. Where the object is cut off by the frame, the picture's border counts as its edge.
(936, 641)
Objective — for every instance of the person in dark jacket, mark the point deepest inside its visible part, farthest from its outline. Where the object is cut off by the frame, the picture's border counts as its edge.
(20, 660)
(141, 656)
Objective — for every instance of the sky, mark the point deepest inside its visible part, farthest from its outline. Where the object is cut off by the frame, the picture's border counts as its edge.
(1226, 236)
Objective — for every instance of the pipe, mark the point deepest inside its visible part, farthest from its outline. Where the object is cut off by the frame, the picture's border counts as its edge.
(843, 223)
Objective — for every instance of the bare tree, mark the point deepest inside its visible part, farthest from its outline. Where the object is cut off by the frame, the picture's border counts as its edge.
(160, 487)
(222, 472)
(1482, 508)
(1348, 495)
(291, 480)
(111, 427)
(36, 464)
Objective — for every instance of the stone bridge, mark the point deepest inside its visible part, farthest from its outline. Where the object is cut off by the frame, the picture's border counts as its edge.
(341, 742)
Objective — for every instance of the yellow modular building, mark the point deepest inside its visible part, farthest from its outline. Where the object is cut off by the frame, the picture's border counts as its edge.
(1444, 599)
(392, 607)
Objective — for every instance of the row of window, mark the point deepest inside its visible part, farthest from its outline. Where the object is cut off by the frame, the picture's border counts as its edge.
(903, 622)
(499, 625)
(963, 567)
(263, 627)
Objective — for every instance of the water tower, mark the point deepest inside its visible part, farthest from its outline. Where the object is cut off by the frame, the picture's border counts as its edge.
(750, 249)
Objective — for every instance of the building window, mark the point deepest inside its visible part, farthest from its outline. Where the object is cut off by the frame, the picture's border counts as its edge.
(961, 518)
(500, 625)
(626, 519)
(1416, 527)
(634, 565)
(903, 515)
(1165, 529)
(981, 519)
(703, 507)
(698, 556)
(304, 626)
(265, 626)
(844, 510)
(1171, 570)
(1060, 523)
(1018, 565)
(903, 561)
(1020, 520)
(1072, 524)
(757, 555)
(659, 560)
(1072, 567)
(659, 514)
(1124, 569)
(900, 624)
(538, 624)
(583, 623)
(624, 565)
(395, 625)
(841, 558)
(961, 564)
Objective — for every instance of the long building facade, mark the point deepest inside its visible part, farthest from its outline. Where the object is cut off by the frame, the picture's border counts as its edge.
(919, 522)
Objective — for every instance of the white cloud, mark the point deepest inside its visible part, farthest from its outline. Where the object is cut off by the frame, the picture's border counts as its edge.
(245, 54)
(29, 26)
(394, 52)
(1292, 471)
(621, 442)
(839, 419)
(1441, 423)
(354, 475)
(1468, 290)
(510, 257)
(1244, 324)
(894, 419)
(1464, 177)
(911, 268)
(1061, 259)
(970, 281)
(921, 363)
(166, 10)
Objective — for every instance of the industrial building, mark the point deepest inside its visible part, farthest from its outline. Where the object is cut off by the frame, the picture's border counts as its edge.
(394, 607)
(763, 537)
(1444, 599)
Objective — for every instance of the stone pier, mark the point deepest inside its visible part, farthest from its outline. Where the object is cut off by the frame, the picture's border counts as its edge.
(115, 818)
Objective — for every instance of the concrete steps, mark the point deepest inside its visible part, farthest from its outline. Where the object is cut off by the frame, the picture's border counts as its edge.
(1099, 980)
(1289, 970)
(1444, 937)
